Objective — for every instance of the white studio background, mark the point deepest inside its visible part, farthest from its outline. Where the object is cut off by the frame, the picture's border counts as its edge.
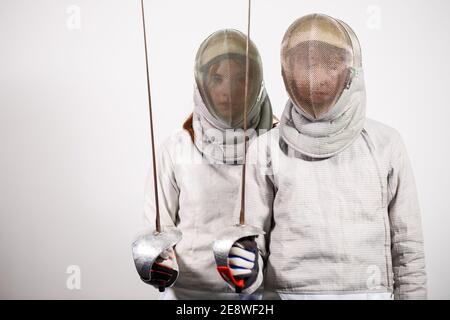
(74, 129)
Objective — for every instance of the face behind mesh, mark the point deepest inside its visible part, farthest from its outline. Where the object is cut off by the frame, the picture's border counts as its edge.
(221, 76)
(316, 63)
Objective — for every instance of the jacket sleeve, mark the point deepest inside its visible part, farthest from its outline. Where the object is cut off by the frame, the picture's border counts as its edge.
(259, 200)
(407, 244)
(168, 193)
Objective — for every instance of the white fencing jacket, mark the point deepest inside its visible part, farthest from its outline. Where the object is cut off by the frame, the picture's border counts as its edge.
(347, 225)
(199, 198)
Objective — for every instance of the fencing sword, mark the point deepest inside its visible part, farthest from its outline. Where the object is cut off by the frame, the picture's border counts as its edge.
(147, 247)
(226, 239)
